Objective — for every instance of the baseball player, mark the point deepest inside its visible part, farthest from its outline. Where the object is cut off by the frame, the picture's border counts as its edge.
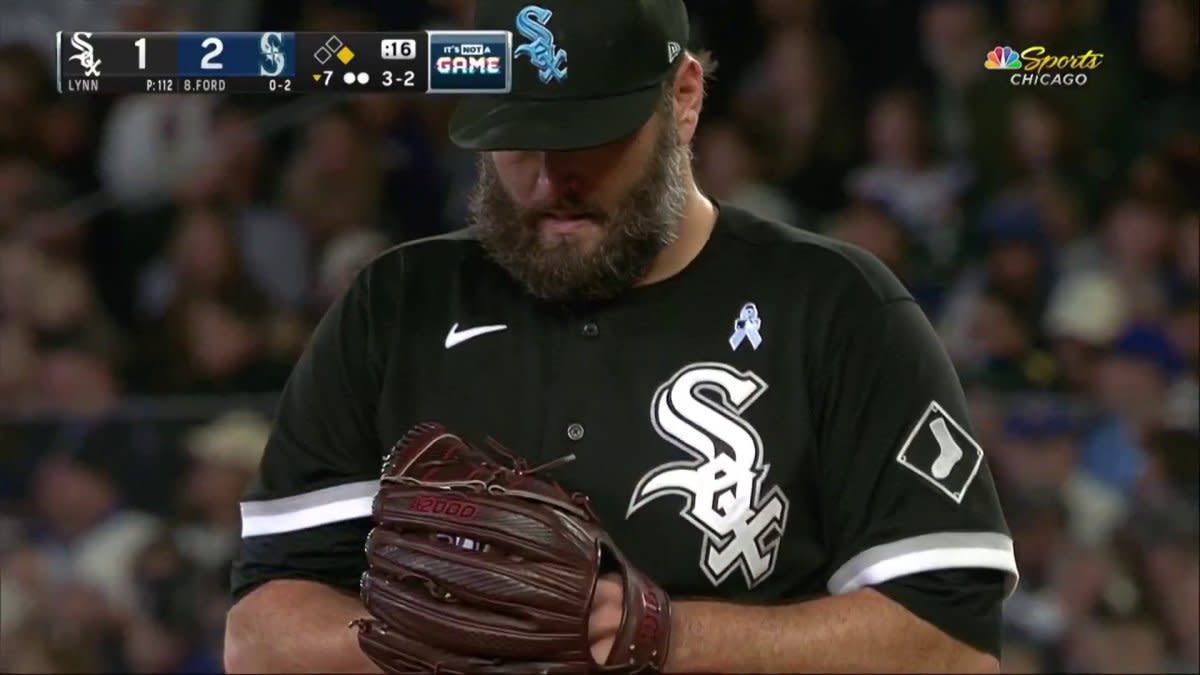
(763, 420)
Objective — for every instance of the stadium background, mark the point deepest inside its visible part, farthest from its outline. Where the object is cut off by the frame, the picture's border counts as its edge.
(162, 260)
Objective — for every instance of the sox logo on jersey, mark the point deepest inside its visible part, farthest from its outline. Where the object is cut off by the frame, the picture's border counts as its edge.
(723, 487)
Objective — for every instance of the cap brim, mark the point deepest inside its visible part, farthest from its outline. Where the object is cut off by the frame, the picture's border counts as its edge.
(490, 123)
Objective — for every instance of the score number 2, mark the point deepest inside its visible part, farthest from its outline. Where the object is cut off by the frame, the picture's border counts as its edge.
(217, 47)
(213, 44)
(404, 79)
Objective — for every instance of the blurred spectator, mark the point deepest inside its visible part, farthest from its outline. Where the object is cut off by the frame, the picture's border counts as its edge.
(795, 100)
(334, 182)
(1086, 312)
(414, 195)
(1018, 262)
(67, 138)
(274, 248)
(225, 455)
(1038, 522)
(968, 112)
(1131, 390)
(217, 347)
(1012, 360)
(905, 173)
(1039, 134)
(1016, 277)
(204, 261)
(1067, 27)
(1062, 209)
(25, 84)
(1040, 451)
(1136, 245)
(65, 310)
(213, 330)
(150, 143)
(76, 414)
(83, 528)
(177, 623)
(729, 167)
(1045, 139)
(1168, 37)
(1169, 79)
(872, 228)
(1138, 236)
(953, 33)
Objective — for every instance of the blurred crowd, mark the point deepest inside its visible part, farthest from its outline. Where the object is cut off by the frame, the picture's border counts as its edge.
(163, 259)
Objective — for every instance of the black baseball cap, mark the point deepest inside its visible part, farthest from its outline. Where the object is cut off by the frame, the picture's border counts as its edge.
(585, 72)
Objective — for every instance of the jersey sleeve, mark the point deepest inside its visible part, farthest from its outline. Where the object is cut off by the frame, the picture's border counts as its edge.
(307, 512)
(905, 488)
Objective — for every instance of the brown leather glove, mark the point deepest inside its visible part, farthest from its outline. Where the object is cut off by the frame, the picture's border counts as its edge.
(482, 565)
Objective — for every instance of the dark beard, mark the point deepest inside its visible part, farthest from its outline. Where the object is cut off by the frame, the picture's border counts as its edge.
(635, 232)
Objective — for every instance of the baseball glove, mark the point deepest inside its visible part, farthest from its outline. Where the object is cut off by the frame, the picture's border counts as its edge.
(480, 564)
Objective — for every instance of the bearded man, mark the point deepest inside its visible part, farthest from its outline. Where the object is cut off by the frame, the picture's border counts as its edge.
(762, 418)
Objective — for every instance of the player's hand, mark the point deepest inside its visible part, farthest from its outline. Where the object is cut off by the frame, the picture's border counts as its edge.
(608, 604)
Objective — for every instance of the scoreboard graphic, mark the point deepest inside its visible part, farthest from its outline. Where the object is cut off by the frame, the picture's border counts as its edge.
(279, 62)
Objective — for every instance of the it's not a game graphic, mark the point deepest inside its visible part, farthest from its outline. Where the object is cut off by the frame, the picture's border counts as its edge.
(470, 63)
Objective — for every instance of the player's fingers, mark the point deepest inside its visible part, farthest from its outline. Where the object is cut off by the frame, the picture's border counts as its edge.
(601, 649)
(609, 590)
(607, 608)
(603, 623)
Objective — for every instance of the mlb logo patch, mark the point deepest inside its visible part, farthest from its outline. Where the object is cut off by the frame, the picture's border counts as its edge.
(942, 452)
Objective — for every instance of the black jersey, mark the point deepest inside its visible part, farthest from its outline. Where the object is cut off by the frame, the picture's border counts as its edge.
(776, 422)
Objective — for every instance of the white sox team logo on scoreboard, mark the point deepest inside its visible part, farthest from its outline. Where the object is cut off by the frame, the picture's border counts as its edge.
(722, 486)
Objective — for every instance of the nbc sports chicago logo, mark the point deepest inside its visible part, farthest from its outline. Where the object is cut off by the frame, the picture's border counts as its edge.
(1033, 67)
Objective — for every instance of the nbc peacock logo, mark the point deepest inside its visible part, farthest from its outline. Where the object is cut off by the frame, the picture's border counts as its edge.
(1003, 58)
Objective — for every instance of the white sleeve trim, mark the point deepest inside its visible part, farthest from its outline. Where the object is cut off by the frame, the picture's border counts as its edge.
(927, 553)
(310, 509)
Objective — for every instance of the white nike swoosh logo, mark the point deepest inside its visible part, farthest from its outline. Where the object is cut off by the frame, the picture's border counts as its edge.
(456, 337)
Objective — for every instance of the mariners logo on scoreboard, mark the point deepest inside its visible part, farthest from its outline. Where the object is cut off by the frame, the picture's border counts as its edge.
(272, 58)
(470, 63)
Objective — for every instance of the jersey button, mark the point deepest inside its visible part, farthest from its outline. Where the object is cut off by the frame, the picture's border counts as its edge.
(575, 431)
(590, 329)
